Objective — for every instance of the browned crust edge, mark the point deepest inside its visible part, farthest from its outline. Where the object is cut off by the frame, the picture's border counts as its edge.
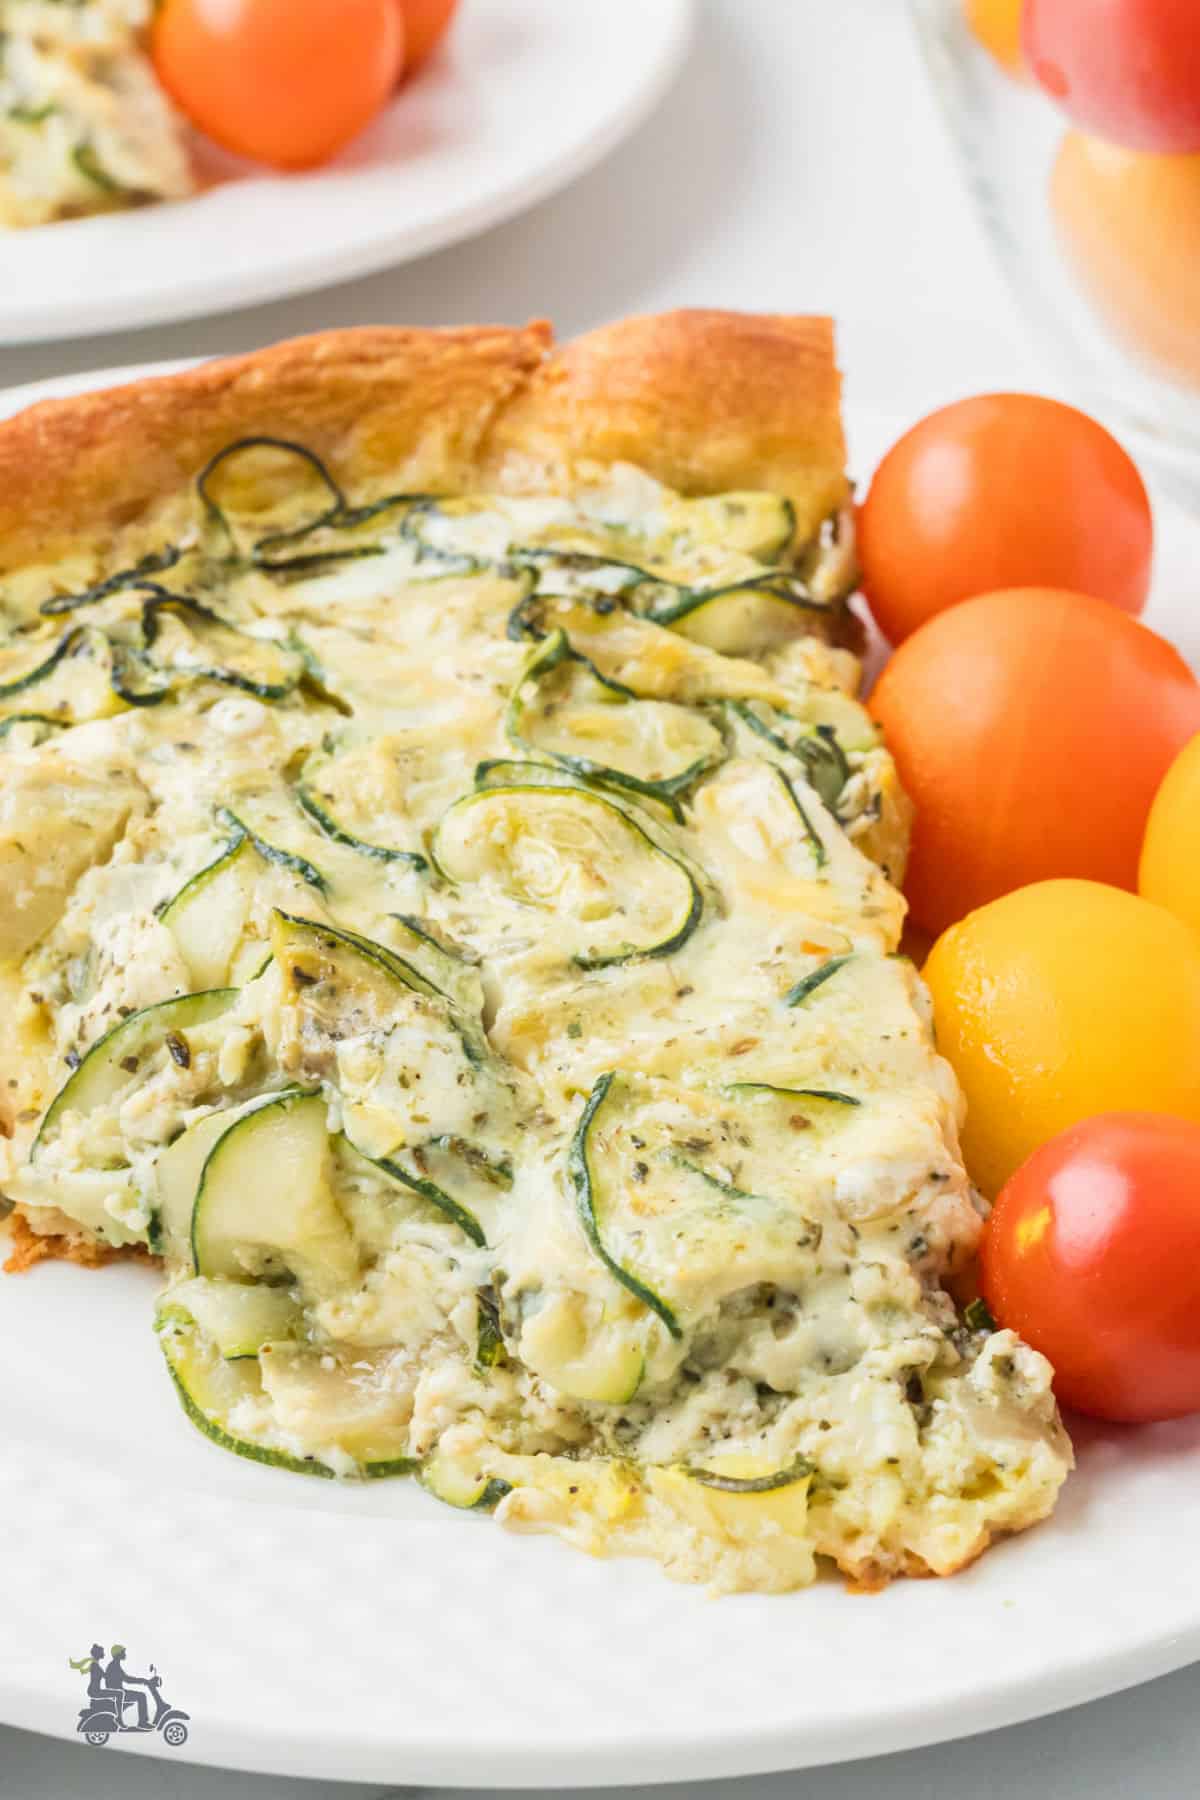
(28, 1247)
(703, 400)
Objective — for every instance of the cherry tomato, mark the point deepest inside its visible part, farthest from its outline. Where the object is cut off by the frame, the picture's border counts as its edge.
(1129, 226)
(1092, 1254)
(426, 23)
(1006, 490)
(287, 82)
(1169, 873)
(1065, 999)
(1031, 729)
(997, 25)
(1126, 69)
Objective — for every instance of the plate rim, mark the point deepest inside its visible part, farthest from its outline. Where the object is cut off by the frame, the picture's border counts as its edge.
(1013, 1696)
(74, 318)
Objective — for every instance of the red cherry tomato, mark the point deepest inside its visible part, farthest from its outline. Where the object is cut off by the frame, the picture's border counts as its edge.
(1092, 1254)
(287, 82)
(1129, 70)
(1002, 491)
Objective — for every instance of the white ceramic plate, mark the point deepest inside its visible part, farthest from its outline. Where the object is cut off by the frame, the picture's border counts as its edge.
(370, 1633)
(526, 95)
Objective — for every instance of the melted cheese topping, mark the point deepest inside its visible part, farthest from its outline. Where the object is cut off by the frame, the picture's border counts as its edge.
(564, 1123)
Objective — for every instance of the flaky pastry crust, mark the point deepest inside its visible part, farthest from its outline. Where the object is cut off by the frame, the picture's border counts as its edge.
(705, 401)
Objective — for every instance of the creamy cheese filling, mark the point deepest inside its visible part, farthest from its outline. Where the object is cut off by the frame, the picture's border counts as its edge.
(460, 936)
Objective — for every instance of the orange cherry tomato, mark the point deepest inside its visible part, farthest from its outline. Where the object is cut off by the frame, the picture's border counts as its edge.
(1129, 226)
(426, 23)
(1128, 70)
(997, 25)
(1092, 1253)
(1032, 729)
(286, 82)
(1005, 490)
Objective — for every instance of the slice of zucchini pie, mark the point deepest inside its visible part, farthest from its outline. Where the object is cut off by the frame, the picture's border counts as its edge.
(449, 919)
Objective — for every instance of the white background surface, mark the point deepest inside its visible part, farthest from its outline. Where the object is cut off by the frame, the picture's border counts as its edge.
(797, 165)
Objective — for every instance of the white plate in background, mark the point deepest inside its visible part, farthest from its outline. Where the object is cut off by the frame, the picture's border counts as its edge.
(525, 96)
(368, 1633)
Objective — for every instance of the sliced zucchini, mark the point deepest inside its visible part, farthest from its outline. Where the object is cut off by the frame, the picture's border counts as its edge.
(72, 682)
(725, 1481)
(25, 731)
(238, 1316)
(414, 1182)
(678, 1195)
(272, 853)
(124, 1055)
(182, 637)
(573, 851)
(490, 1351)
(450, 969)
(342, 796)
(756, 524)
(816, 978)
(265, 1203)
(214, 1390)
(260, 491)
(460, 1483)
(155, 562)
(212, 917)
(834, 1096)
(813, 751)
(177, 1177)
(563, 708)
(598, 1359)
(341, 973)
(740, 618)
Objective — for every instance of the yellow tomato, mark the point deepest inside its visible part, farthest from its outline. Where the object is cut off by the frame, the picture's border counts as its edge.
(1129, 226)
(997, 25)
(1170, 866)
(1062, 1000)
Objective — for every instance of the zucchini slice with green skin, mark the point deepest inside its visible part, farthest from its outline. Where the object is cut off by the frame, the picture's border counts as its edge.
(211, 649)
(739, 618)
(40, 727)
(272, 853)
(815, 841)
(833, 1095)
(686, 1192)
(816, 978)
(156, 562)
(265, 1201)
(240, 469)
(71, 682)
(816, 748)
(311, 953)
(426, 1190)
(603, 854)
(122, 1054)
(490, 1350)
(591, 1205)
(450, 969)
(211, 914)
(238, 1316)
(800, 1470)
(758, 524)
(467, 1489)
(333, 810)
(211, 1388)
(344, 985)
(561, 704)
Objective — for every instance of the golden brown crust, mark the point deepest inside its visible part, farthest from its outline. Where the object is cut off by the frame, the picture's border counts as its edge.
(703, 400)
(28, 1247)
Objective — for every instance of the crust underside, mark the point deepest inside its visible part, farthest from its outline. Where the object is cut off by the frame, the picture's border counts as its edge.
(705, 401)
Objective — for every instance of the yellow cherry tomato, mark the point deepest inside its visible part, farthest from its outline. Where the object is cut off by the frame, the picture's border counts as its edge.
(1059, 1001)
(997, 25)
(1128, 223)
(1170, 866)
